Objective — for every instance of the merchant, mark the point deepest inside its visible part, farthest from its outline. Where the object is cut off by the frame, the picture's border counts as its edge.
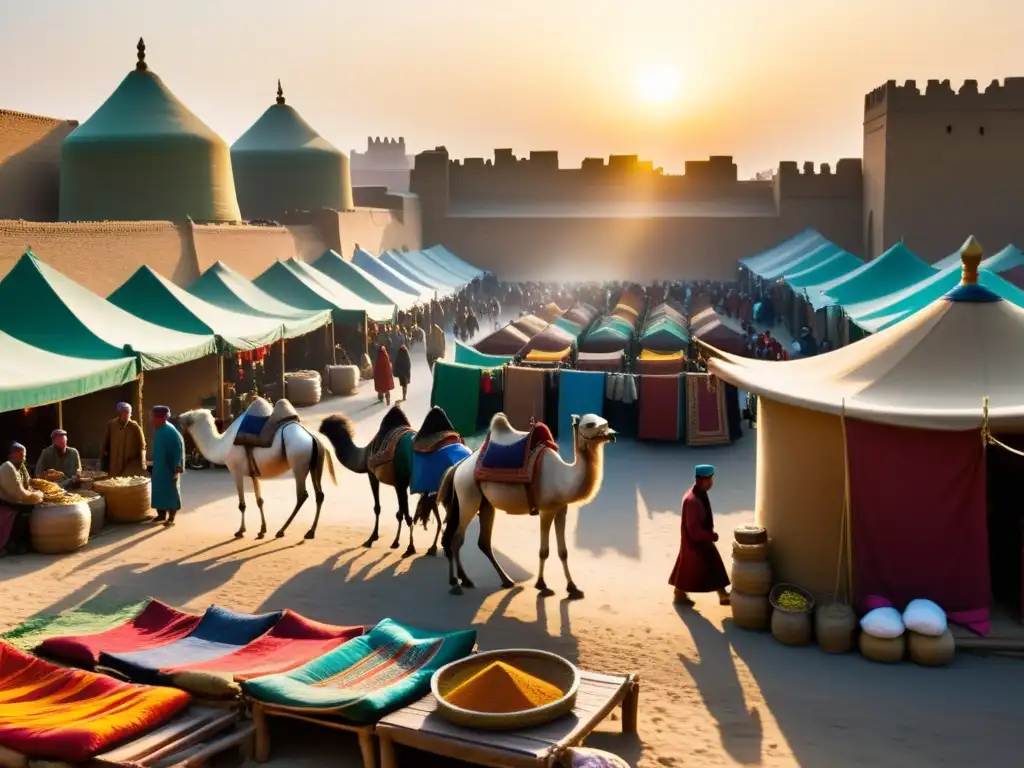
(168, 464)
(17, 497)
(699, 566)
(58, 456)
(124, 445)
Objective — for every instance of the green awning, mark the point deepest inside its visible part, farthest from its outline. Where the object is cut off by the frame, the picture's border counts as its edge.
(665, 335)
(467, 355)
(401, 263)
(364, 285)
(151, 297)
(835, 267)
(785, 252)
(48, 310)
(222, 286)
(31, 377)
(896, 269)
(452, 263)
(303, 287)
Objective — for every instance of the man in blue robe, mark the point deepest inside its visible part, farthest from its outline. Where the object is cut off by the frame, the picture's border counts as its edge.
(168, 464)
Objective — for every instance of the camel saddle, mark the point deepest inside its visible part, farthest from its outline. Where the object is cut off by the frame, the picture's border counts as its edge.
(384, 447)
(259, 425)
(512, 457)
(436, 448)
(436, 432)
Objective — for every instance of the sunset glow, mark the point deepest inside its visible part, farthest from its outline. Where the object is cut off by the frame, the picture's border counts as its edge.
(658, 85)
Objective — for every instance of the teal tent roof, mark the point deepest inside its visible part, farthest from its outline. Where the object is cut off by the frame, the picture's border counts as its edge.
(30, 376)
(467, 355)
(156, 299)
(361, 283)
(445, 258)
(893, 271)
(46, 309)
(785, 252)
(836, 266)
(665, 335)
(222, 286)
(370, 264)
(428, 274)
(298, 284)
(800, 261)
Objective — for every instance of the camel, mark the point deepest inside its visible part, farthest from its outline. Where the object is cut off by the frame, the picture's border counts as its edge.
(289, 447)
(390, 458)
(547, 489)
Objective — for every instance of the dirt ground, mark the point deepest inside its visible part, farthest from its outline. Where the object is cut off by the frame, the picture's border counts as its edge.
(711, 694)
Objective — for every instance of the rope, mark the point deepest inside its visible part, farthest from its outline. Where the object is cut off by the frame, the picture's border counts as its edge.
(845, 538)
(986, 432)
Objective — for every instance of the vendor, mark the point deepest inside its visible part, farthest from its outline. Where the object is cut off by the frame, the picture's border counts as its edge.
(124, 445)
(58, 456)
(16, 501)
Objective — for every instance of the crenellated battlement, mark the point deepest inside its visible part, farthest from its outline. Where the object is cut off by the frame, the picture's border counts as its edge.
(939, 95)
(808, 181)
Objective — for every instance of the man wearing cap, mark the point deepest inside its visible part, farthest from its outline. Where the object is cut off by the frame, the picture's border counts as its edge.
(124, 445)
(58, 456)
(17, 498)
(168, 464)
(699, 567)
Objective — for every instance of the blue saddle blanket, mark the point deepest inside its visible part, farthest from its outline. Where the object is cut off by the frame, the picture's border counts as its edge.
(429, 468)
(512, 456)
(252, 424)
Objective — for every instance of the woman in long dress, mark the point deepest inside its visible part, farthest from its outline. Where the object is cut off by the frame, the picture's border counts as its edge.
(383, 380)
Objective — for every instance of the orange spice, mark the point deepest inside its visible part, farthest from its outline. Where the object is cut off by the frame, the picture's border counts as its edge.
(500, 688)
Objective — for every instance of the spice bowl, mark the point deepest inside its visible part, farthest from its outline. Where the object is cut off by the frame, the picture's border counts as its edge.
(548, 667)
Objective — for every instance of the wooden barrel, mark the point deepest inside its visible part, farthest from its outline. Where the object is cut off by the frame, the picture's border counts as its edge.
(750, 611)
(752, 577)
(59, 528)
(888, 650)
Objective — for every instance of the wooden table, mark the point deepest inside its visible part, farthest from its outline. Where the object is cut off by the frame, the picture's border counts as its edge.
(419, 727)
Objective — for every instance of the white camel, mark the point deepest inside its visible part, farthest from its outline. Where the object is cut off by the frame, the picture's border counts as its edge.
(554, 487)
(294, 449)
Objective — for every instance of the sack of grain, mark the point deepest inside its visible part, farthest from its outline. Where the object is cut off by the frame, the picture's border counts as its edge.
(887, 650)
(835, 627)
(57, 529)
(302, 388)
(931, 651)
(343, 380)
(750, 551)
(751, 577)
(925, 618)
(750, 611)
(883, 623)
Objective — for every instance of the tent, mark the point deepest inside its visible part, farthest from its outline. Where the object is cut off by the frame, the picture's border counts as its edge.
(801, 261)
(530, 325)
(893, 271)
(374, 266)
(883, 442)
(552, 339)
(507, 340)
(156, 299)
(303, 287)
(361, 283)
(786, 252)
(50, 311)
(424, 263)
(30, 377)
(665, 335)
(468, 355)
(430, 274)
(835, 267)
(222, 286)
(1007, 263)
(453, 263)
(707, 327)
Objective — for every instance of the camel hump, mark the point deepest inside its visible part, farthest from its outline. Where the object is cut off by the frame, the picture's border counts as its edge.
(284, 411)
(259, 408)
(502, 432)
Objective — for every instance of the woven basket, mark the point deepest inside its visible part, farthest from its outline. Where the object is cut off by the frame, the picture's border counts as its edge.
(750, 534)
(547, 666)
(751, 577)
(788, 626)
(753, 552)
(750, 611)
(888, 650)
(931, 651)
(342, 380)
(97, 510)
(59, 528)
(53, 475)
(126, 503)
(302, 388)
(835, 627)
(89, 476)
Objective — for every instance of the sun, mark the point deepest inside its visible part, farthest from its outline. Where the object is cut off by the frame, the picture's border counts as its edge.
(658, 85)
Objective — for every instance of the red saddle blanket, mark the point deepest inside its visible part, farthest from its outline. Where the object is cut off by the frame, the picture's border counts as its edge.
(513, 463)
(384, 451)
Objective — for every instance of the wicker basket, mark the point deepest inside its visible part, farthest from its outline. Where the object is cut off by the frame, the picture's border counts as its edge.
(302, 388)
(547, 666)
(931, 651)
(751, 577)
(126, 503)
(750, 534)
(750, 551)
(750, 611)
(59, 528)
(788, 626)
(89, 476)
(888, 650)
(97, 510)
(342, 380)
(835, 627)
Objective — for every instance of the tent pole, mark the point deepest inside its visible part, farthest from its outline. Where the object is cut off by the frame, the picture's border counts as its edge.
(282, 370)
(60, 414)
(138, 395)
(334, 345)
(220, 389)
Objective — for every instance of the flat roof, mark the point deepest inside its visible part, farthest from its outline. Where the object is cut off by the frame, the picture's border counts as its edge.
(616, 209)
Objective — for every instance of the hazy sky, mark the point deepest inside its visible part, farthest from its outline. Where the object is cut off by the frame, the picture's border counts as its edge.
(762, 80)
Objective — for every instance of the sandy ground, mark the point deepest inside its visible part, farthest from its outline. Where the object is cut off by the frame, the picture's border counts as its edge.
(711, 694)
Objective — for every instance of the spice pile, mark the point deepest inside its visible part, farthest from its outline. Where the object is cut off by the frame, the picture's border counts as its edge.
(500, 688)
(793, 601)
(53, 493)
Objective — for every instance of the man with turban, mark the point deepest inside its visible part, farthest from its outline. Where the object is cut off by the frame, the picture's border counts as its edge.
(168, 464)
(383, 380)
(124, 445)
(60, 457)
(17, 497)
(699, 566)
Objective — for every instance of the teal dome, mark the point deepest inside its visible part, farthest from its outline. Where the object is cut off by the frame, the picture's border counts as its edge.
(282, 164)
(144, 156)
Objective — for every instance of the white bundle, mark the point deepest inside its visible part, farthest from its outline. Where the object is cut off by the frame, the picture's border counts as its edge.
(303, 388)
(883, 623)
(925, 618)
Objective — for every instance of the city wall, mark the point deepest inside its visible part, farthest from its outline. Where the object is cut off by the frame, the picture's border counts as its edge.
(30, 165)
(383, 164)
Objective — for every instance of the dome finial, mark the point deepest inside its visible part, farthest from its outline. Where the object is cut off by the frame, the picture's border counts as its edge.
(141, 48)
(970, 256)
(280, 93)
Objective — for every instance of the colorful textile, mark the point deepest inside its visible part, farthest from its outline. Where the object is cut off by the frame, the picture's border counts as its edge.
(456, 389)
(699, 566)
(925, 535)
(706, 420)
(68, 714)
(468, 355)
(168, 464)
(516, 462)
(157, 625)
(660, 363)
(429, 468)
(366, 678)
(524, 396)
(661, 407)
(96, 615)
(611, 362)
(579, 393)
(220, 632)
(542, 356)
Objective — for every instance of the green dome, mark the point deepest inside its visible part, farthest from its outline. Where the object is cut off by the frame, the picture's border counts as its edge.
(144, 156)
(282, 164)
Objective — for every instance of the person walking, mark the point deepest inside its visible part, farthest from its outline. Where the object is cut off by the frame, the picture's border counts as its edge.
(383, 379)
(168, 464)
(699, 566)
(403, 369)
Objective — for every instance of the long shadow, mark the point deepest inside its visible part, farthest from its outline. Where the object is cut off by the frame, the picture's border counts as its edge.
(714, 674)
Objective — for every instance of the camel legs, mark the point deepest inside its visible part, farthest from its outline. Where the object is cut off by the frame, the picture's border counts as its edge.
(455, 564)
(240, 486)
(437, 534)
(546, 518)
(563, 553)
(301, 494)
(317, 476)
(484, 542)
(259, 503)
(375, 489)
(402, 492)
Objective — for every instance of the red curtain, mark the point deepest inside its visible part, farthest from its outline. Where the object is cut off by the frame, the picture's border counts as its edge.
(918, 518)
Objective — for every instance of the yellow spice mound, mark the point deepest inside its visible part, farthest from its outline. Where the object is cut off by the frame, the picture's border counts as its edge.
(501, 689)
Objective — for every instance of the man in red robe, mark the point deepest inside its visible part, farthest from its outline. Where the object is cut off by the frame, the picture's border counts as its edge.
(699, 567)
(383, 380)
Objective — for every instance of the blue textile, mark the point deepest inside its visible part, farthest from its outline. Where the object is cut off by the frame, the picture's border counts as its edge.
(704, 470)
(505, 456)
(429, 468)
(168, 456)
(579, 393)
(221, 631)
(252, 424)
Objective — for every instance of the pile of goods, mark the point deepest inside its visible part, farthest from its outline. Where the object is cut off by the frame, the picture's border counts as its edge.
(128, 498)
(53, 475)
(343, 380)
(751, 578)
(61, 523)
(53, 493)
(500, 688)
(302, 388)
(792, 608)
(887, 636)
(89, 476)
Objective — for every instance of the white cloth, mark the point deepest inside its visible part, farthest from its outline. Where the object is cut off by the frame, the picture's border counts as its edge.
(13, 489)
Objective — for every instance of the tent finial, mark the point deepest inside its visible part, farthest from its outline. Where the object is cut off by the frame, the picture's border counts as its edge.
(141, 65)
(280, 93)
(970, 256)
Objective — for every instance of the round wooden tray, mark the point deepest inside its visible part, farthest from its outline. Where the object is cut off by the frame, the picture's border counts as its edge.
(547, 666)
